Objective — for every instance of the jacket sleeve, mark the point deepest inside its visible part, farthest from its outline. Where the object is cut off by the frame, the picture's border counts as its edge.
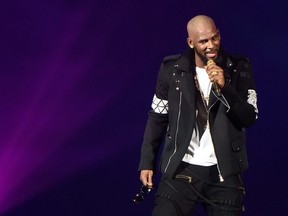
(241, 95)
(156, 125)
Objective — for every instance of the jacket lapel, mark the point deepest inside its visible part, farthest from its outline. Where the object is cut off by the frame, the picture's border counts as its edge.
(212, 98)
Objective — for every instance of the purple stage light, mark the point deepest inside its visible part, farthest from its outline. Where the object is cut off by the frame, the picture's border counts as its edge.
(48, 103)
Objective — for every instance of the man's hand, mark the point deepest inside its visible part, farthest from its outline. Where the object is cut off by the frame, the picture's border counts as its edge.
(215, 74)
(146, 177)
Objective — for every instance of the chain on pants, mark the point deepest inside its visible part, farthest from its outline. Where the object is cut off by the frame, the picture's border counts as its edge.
(177, 197)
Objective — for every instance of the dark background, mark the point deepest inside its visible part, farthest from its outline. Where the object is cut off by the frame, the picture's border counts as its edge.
(76, 83)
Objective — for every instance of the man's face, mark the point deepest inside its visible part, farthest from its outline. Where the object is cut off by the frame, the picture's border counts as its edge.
(206, 43)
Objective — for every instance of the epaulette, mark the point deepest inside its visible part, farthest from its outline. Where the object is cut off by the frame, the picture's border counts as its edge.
(240, 58)
(171, 57)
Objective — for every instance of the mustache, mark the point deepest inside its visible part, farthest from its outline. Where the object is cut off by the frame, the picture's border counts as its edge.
(208, 51)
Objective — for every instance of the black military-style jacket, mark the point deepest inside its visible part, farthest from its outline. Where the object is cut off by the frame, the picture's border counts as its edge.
(173, 114)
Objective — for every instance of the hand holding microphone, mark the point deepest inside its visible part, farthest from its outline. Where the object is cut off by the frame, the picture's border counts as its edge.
(216, 76)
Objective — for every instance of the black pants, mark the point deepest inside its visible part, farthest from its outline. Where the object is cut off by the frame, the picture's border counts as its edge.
(177, 196)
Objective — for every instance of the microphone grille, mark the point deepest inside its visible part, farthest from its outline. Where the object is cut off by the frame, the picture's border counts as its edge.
(209, 62)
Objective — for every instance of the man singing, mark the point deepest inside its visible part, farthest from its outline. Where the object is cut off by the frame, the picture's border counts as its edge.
(204, 100)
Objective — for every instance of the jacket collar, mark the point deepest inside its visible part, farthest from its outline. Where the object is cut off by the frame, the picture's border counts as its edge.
(186, 61)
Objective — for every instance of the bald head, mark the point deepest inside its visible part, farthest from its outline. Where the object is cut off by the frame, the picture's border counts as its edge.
(204, 38)
(199, 24)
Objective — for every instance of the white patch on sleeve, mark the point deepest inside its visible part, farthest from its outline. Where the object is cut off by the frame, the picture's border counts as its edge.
(252, 99)
(159, 105)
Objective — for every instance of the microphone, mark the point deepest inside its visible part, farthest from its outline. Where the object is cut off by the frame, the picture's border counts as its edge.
(215, 85)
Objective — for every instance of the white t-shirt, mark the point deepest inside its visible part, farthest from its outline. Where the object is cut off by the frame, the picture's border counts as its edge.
(201, 152)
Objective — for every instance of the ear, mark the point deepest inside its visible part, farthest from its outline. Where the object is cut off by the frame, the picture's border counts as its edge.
(219, 34)
(190, 43)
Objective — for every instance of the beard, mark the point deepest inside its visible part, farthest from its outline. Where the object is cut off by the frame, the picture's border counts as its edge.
(203, 58)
